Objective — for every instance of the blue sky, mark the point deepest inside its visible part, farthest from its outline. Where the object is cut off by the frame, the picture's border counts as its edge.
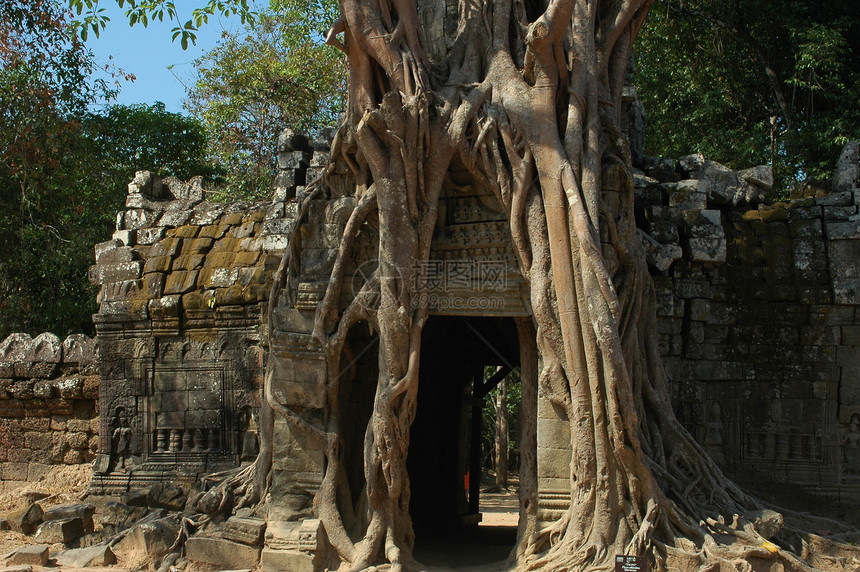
(148, 52)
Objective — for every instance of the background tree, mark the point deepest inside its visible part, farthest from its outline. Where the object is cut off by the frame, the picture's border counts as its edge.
(255, 83)
(500, 428)
(748, 83)
(45, 88)
(64, 169)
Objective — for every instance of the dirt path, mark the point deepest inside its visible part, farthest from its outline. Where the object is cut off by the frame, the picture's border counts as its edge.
(481, 549)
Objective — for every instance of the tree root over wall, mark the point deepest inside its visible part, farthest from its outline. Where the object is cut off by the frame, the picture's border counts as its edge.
(528, 99)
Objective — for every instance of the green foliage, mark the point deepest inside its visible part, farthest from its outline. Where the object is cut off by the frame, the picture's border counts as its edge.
(44, 84)
(129, 138)
(748, 83)
(92, 18)
(64, 170)
(255, 83)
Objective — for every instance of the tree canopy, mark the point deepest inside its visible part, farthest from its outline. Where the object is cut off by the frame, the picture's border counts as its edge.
(258, 81)
(64, 168)
(749, 83)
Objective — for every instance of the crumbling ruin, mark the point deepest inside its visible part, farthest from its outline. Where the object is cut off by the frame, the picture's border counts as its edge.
(759, 331)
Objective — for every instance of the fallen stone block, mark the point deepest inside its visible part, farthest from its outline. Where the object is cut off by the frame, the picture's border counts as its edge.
(100, 555)
(64, 531)
(165, 495)
(83, 511)
(760, 176)
(20, 568)
(120, 516)
(221, 552)
(26, 520)
(147, 540)
(34, 554)
(247, 530)
(135, 498)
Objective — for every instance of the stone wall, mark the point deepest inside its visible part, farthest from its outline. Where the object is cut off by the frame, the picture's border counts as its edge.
(182, 324)
(759, 312)
(49, 408)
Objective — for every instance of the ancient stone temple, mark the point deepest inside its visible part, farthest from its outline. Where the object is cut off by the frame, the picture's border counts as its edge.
(759, 307)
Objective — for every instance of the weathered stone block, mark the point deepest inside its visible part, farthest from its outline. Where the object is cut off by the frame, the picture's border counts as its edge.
(119, 255)
(166, 495)
(26, 520)
(103, 248)
(248, 530)
(837, 199)
(206, 213)
(115, 272)
(843, 230)
(293, 160)
(707, 249)
(219, 277)
(223, 259)
(851, 335)
(275, 242)
(187, 262)
(147, 540)
(246, 229)
(223, 553)
(273, 560)
(153, 286)
(176, 214)
(847, 173)
(760, 176)
(169, 246)
(187, 231)
(204, 418)
(213, 231)
(34, 555)
(60, 531)
(136, 219)
(126, 237)
(246, 258)
(840, 213)
(180, 282)
(94, 556)
(147, 236)
(118, 291)
(277, 226)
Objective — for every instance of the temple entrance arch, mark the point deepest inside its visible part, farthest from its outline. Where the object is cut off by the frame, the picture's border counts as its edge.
(463, 359)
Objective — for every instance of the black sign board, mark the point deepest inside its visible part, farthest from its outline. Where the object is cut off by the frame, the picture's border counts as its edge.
(631, 564)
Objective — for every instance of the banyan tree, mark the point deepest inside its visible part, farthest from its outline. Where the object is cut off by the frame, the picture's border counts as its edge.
(523, 98)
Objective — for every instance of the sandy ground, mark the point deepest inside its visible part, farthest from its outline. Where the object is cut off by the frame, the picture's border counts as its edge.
(64, 484)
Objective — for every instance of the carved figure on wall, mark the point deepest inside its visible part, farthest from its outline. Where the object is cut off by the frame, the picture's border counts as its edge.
(713, 440)
(250, 444)
(851, 446)
(120, 439)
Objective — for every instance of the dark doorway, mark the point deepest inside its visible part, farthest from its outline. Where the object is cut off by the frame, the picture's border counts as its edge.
(444, 460)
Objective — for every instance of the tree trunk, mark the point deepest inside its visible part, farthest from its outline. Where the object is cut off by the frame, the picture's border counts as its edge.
(501, 440)
(528, 99)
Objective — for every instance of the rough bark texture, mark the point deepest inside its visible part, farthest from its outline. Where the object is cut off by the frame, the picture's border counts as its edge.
(528, 99)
